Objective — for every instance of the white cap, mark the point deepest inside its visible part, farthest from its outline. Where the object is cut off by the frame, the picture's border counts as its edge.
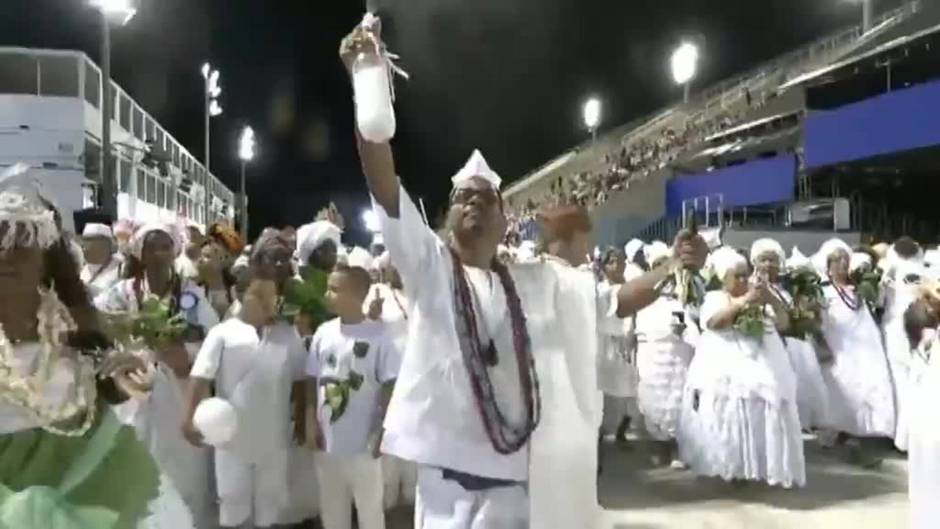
(797, 260)
(97, 230)
(477, 167)
(311, 236)
(631, 248)
(360, 258)
(655, 251)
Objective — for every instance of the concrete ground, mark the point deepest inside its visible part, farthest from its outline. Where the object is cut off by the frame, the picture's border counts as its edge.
(637, 496)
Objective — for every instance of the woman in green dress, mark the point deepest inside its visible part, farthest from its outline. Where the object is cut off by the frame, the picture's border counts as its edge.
(65, 460)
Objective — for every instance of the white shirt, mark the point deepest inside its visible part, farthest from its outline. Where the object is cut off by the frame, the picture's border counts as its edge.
(336, 352)
(433, 417)
(255, 375)
(100, 278)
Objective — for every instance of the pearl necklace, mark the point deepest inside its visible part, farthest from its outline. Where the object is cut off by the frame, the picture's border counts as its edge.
(26, 392)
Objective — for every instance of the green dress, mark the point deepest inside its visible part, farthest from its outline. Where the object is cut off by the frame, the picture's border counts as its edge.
(101, 480)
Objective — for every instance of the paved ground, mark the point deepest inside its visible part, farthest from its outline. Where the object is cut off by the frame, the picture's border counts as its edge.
(837, 496)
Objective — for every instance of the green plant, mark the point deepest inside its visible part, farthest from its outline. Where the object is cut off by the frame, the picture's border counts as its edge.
(750, 322)
(307, 296)
(155, 324)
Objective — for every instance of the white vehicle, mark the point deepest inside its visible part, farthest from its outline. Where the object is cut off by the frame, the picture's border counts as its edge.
(50, 118)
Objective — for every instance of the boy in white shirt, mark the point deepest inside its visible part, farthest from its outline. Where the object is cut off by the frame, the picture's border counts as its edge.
(254, 361)
(352, 367)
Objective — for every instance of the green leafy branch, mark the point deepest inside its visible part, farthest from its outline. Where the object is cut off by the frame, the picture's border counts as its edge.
(155, 324)
(306, 296)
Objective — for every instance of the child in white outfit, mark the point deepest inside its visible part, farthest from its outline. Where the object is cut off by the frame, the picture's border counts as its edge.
(254, 362)
(353, 364)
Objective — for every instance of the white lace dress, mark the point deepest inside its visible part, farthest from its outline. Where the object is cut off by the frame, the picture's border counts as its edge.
(924, 444)
(861, 390)
(739, 417)
(664, 352)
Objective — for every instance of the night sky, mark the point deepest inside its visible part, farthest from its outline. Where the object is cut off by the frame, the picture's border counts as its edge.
(506, 76)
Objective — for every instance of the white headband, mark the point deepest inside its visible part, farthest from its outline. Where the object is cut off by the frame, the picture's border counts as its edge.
(821, 258)
(767, 245)
(140, 237)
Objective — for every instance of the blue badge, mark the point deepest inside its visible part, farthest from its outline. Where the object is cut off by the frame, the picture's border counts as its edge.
(188, 301)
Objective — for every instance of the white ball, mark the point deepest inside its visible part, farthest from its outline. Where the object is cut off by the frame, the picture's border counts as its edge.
(216, 420)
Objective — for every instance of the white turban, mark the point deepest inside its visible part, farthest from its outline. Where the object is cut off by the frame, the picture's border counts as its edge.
(360, 258)
(140, 236)
(766, 245)
(654, 251)
(383, 261)
(631, 248)
(97, 230)
(858, 260)
(797, 260)
(821, 258)
(312, 236)
(723, 260)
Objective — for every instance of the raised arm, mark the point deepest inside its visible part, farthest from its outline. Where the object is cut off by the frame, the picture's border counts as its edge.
(378, 164)
(689, 251)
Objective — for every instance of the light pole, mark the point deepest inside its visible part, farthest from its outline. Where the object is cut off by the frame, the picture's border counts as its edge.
(246, 152)
(120, 12)
(867, 13)
(591, 114)
(212, 109)
(684, 63)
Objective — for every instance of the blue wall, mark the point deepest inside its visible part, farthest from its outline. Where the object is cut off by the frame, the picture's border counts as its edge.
(757, 182)
(897, 121)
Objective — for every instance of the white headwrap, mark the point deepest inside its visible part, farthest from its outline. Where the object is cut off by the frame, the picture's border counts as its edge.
(821, 258)
(312, 236)
(526, 251)
(360, 258)
(723, 260)
(25, 212)
(797, 260)
(476, 166)
(655, 251)
(631, 248)
(97, 230)
(767, 245)
(137, 241)
(859, 259)
(383, 261)
(378, 239)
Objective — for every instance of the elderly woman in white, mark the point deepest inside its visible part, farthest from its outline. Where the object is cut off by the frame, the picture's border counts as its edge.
(767, 258)
(157, 419)
(739, 416)
(102, 268)
(861, 398)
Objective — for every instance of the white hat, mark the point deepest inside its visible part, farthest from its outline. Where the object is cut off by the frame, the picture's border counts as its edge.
(25, 210)
(655, 251)
(137, 241)
(631, 248)
(360, 258)
(797, 260)
(723, 260)
(821, 258)
(767, 245)
(97, 230)
(312, 236)
(859, 259)
(476, 166)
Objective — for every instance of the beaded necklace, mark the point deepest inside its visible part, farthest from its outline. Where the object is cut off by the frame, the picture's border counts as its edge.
(850, 299)
(27, 392)
(505, 438)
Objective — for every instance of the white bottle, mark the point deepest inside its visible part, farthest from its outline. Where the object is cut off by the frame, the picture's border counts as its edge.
(375, 114)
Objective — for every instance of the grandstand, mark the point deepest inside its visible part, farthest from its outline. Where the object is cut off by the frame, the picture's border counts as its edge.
(840, 135)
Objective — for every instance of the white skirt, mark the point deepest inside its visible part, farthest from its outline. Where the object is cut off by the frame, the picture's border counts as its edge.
(924, 446)
(812, 396)
(663, 368)
(749, 439)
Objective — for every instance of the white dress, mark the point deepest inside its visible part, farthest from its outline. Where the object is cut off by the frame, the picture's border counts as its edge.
(924, 445)
(665, 333)
(812, 395)
(899, 294)
(861, 396)
(739, 417)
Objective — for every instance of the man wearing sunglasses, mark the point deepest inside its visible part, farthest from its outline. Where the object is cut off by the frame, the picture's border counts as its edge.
(497, 398)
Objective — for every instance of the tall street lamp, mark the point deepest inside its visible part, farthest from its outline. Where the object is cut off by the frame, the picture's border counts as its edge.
(119, 12)
(684, 64)
(591, 114)
(246, 153)
(867, 13)
(212, 93)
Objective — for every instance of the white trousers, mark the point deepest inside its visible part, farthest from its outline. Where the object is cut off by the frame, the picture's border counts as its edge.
(347, 479)
(250, 492)
(401, 481)
(444, 504)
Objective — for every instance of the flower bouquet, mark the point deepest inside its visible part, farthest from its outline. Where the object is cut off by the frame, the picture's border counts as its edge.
(805, 313)
(155, 325)
(867, 284)
(750, 322)
(306, 296)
